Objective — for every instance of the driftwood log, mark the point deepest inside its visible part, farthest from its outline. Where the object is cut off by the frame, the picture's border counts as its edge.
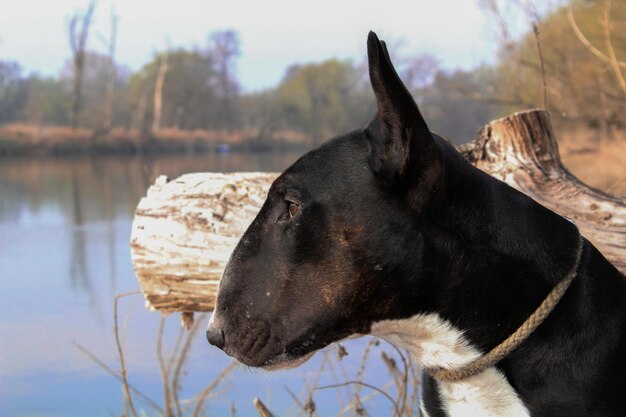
(184, 230)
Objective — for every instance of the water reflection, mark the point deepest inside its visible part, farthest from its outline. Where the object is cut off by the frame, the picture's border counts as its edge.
(78, 273)
(64, 229)
(76, 193)
(109, 184)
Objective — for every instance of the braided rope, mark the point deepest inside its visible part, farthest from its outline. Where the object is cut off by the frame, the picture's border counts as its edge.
(513, 341)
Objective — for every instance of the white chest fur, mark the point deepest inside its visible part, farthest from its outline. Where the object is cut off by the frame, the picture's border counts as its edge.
(434, 342)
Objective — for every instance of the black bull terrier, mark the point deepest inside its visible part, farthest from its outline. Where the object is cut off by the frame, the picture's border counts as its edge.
(389, 231)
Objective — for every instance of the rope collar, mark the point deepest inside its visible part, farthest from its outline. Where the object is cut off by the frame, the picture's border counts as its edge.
(513, 341)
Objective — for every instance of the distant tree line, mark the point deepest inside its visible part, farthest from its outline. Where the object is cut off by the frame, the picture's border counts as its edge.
(583, 48)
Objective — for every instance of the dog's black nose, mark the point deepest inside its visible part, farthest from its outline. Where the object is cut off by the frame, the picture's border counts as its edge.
(215, 337)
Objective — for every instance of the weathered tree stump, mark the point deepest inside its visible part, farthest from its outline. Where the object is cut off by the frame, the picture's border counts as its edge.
(522, 151)
(184, 230)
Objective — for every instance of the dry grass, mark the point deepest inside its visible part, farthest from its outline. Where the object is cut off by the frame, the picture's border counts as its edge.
(49, 137)
(356, 392)
(599, 163)
(171, 369)
(31, 134)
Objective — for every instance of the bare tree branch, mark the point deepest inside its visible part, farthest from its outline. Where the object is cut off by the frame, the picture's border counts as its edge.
(169, 411)
(158, 90)
(609, 46)
(78, 44)
(112, 73)
(261, 408)
(115, 374)
(364, 384)
(180, 361)
(583, 39)
(543, 68)
(120, 351)
(209, 388)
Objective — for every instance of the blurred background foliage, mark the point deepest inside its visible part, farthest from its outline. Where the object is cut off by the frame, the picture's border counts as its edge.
(200, 89)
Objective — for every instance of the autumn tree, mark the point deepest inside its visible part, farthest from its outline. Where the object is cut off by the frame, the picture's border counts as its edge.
(188, 97)
(453, 102)
(13, 91)
(99, 91)
(583, 85)
(49, 102)
(323, 99)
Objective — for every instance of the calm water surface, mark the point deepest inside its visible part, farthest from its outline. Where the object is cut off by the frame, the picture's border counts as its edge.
(64, 255)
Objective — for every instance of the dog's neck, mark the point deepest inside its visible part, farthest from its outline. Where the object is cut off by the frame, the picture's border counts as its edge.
(491, 254)
(434, 342)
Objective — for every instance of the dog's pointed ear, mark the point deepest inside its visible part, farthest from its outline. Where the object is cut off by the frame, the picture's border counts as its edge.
(401, 143)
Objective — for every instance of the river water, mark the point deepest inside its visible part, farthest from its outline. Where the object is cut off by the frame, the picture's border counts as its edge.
(64, 255)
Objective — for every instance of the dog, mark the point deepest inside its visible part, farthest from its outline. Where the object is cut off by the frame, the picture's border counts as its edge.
(389, 231)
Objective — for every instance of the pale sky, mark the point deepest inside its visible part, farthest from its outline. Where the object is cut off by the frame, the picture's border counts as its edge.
(273, 33)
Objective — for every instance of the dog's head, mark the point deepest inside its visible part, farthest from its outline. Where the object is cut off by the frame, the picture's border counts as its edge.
(323, 257)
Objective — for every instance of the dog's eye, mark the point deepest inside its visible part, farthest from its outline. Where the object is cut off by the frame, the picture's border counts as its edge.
(289, 211)
(292, 209)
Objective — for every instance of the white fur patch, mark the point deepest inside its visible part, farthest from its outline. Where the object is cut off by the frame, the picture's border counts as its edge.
(435, 342)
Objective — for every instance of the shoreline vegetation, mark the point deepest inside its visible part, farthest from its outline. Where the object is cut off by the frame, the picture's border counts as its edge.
(190, 99)
(597, 162)
(24, 140)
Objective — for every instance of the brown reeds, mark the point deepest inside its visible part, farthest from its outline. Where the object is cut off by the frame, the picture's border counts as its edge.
(204, 394)
(171, 370)
(59, 140)
(117, 375)
(127, 395)
(167, 393)
(404, 384)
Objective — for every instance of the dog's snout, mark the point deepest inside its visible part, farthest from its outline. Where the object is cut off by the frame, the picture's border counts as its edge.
(215, 336)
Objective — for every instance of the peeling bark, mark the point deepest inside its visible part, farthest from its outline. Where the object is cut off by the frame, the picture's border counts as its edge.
(184, 231)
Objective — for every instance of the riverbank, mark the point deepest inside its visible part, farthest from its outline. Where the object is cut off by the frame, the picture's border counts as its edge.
(599, 163)
(28, 140)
